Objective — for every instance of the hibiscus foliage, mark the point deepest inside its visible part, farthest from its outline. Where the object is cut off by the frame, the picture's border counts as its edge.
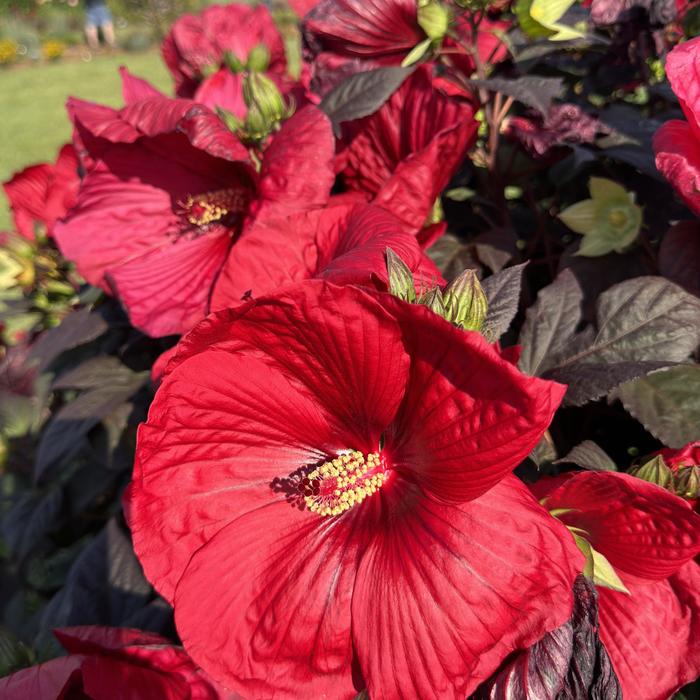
(364, 363)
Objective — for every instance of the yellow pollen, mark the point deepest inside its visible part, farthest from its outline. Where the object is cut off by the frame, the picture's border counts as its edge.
(207, 208)
(341, 483)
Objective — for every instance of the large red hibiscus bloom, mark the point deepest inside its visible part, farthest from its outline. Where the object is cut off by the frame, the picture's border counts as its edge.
(168, 190)
(404, 154)
(649, 536)
(41, 194)
(222, 36)
(323, 491)
(677, 143)
(106, 663)
(344, 244)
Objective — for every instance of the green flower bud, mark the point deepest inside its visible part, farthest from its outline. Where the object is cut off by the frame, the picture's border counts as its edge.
(266, 107)
(14, 271)
(433, 18)
(465, 302)
(655, 471)
(401, 282)
(259, 58)
(688, 482)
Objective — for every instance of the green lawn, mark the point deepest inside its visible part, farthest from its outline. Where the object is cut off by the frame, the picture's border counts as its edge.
(34, 122)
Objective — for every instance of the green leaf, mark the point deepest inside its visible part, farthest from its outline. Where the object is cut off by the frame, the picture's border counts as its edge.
(605, 575)
(416, 53)
(401, 282)
(666, 403)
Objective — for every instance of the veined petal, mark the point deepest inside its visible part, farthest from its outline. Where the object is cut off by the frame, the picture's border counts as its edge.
(469, 416)
(652, 634)
(639, 527)
(264, 606)
(677, 150)
(445, 592)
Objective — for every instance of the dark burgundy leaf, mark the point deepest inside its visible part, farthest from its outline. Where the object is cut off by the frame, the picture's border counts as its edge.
(532, 90)
(503, 293)
(679, 256)
(362, 94)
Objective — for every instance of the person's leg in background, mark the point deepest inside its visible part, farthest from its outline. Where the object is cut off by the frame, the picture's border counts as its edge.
(108, 34)
(91, 35)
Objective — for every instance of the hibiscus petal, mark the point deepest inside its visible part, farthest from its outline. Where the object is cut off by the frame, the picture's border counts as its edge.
(383, 29)
(342, 244)
(135, 88)
(339, 342)
(652, 634)
(445, 592)
(224, 89)
(677, 151)
(297, 170)
(114, 220)
(264, 606)
(683, 70)
(166, 291)
(48, 680)
(639, 527)
(27, 192)
(90, 639)
(469, 417)
(226, 423)
(406, 152)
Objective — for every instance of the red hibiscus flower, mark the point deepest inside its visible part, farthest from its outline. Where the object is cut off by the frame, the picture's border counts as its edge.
(41, 194)
(222, 36)
(404, 154)
(343, 244)
(323, 490)
(349, 36)
(677, 143)
(686, 456)
(649, 537)
(168, 191)
(106, 663)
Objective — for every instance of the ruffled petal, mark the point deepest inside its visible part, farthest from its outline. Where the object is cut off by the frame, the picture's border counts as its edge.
(114, 220)
(297, 170)
(264, 606)
(166, 291)
(677, 151)
(639, 527)
(342, 244)
(683, 70)
(27, 192)
(445, 592)
(652, 634)
(224, 89)
(135, 88)
(381, 29)
(49, 680)
(469, 417)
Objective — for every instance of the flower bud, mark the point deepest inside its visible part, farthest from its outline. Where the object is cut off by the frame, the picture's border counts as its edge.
(401, 282)
(688, 482)
(466, 304)
(655, 471)
(266, 107)
(433, 18)
(14, 271)
(259, 58)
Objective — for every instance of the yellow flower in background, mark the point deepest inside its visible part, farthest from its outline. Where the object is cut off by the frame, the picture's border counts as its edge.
(609, 221)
